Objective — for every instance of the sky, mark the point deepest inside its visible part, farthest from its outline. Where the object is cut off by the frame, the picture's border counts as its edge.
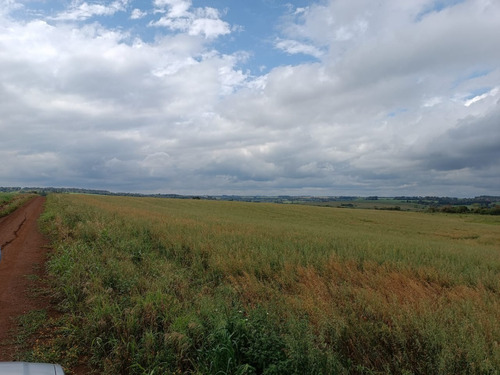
(252, 97)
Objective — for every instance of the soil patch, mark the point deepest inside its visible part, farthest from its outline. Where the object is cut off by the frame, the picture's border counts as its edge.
(23, 254)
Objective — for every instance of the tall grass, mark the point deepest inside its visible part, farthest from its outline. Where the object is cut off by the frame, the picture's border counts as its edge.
(188, 286)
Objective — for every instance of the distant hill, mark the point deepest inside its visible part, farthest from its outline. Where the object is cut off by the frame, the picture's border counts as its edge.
(480, 204)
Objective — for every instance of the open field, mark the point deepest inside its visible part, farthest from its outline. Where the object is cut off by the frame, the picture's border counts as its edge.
(152, 286)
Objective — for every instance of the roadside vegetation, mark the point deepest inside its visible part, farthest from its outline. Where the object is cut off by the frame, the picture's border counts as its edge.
(9, 202)
(166, 286)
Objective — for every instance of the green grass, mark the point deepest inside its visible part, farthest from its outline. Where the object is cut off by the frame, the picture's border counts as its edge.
(9, 202)
(191, 286)
(30, 324)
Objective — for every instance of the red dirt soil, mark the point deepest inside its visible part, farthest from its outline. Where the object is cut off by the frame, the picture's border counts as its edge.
(24, 251)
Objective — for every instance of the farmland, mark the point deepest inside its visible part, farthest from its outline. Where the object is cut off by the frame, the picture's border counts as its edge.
(150, 286)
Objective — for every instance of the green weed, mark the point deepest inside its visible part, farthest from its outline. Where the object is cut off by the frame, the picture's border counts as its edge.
(183, 286)
(9, 202)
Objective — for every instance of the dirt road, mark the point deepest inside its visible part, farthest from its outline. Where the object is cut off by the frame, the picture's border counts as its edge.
(23, 252)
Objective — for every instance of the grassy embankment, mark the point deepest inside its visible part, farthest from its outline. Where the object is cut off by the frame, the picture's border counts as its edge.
(152, 286)
(9, 202)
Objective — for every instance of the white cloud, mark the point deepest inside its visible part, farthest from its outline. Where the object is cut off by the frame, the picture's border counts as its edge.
(431, 102)
(8, 6)
(477, 98)
(200, 21)
(209, 27)
(137, 14)
(294, 47)
(176, 8)
(82, 10)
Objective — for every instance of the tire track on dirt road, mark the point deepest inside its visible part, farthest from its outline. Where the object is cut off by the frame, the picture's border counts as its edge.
(2, 246)
(23, 253)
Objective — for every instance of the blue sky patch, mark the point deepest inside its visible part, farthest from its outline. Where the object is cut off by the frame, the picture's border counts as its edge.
(437, 6)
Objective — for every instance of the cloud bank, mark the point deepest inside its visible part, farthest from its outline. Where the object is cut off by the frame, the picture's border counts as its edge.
(399, 98)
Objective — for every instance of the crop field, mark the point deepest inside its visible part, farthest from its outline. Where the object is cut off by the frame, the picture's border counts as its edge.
(165, 286)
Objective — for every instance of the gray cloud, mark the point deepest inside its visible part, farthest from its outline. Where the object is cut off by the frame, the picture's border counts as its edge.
(473, 143)
(390, 107)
